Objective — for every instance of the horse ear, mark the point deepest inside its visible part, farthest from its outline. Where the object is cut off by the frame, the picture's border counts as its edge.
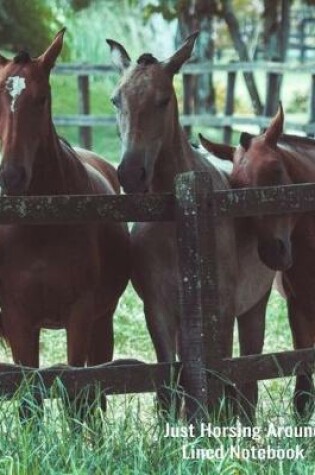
(175, 62)
(220, 150)
(275, 129)
(48, 58)
(3, 60)
(245, 140)
(120, 57)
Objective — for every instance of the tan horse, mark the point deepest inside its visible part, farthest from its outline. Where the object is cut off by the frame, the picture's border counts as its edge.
(154, 150)
(287, 242)
(63, 276)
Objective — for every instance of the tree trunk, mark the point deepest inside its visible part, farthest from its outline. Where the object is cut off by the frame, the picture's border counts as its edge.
(205, 94)
(239, 45)
(276, 29)
(199, 94)
(276, 39)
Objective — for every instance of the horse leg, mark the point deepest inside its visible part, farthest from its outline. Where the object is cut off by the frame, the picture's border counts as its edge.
(162, 328)
(78, 339)
(101, 347)
(303, 337)
(251, 329)
(24, 344)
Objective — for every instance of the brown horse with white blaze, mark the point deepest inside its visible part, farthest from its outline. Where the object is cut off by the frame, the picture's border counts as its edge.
(287, 242)
(54, 276)
(154, 150)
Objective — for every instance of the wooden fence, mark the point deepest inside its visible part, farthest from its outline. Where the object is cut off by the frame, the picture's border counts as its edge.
(195, 208)
(274, 72)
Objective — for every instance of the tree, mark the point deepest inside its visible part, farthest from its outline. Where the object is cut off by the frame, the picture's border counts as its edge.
(27, 24)
(192, 15)
(227, 12)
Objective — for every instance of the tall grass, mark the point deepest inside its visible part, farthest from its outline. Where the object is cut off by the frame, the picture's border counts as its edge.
(129, 438)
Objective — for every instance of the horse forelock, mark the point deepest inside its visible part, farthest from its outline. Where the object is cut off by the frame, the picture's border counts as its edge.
(23, 57)
(146, 59)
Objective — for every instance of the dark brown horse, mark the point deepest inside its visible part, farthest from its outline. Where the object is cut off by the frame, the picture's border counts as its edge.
(154, 150)
(285, 243)
(65, 276)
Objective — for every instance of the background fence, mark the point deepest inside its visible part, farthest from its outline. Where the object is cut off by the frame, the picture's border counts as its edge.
(274, 73)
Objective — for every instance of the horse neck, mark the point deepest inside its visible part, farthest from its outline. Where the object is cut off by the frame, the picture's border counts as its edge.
(55, 169)
(176, 156)
(299, 163)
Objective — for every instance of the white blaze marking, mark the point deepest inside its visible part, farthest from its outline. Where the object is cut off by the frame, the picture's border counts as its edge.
(15, 85)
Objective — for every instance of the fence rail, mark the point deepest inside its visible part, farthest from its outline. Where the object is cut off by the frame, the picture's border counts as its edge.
(194, 209)
(274, 72)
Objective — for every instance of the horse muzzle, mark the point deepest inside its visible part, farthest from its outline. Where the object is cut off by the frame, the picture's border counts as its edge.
(132, 177)
(275, 254)
(13, 180)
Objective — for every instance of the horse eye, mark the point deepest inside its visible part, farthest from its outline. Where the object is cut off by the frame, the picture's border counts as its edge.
(164, 102)
(116, 101)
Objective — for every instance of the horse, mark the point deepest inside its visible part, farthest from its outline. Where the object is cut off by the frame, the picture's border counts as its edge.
(285, 243)
(154, 150)
(54, 276)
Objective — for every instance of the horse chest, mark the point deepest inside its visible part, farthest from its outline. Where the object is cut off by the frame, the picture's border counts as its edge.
(57, 263)
(154, 259)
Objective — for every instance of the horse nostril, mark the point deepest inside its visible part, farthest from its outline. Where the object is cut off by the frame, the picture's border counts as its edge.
(119, 172)
(13, 178)
(280, 246)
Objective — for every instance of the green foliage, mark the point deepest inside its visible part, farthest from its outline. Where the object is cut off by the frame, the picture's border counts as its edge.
(28, 24)
(169, 9)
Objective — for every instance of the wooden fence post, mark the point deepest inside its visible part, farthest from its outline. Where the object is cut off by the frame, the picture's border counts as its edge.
(274, 81)
(85, 135)
(200, 339)
(188, 106)
(229, 105)
(312, 106)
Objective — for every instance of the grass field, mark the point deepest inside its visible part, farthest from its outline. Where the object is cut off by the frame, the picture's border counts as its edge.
(129, 438)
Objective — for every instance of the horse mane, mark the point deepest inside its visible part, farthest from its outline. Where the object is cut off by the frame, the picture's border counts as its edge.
(297, 140)
(68, 147)
(146, 59)
(22, 57)
(65, 142)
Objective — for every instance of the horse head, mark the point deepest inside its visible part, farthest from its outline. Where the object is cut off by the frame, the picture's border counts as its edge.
(146, 107)
(25, 117)
(258, 162)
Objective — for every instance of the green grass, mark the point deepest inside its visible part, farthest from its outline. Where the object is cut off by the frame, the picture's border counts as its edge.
(129, 437)
(65, 101)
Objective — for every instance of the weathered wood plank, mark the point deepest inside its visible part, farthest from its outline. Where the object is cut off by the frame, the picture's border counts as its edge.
(194, 119)
(229, 105)
(268, 366)
(193, 68)
(265, 200)
(118, 377)
(153, 207)
(83, 69)
(77, 209)
(85, 133)
(273, 87)
(201, 339)
(312, 106)
(265, 66)
(81, 120)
